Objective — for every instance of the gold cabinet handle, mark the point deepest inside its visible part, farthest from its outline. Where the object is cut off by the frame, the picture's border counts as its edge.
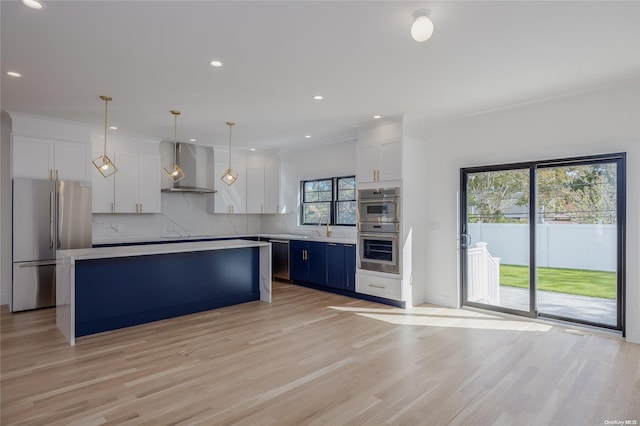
(377, 286)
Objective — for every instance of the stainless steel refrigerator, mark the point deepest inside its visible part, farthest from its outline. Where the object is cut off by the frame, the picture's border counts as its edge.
(47, 216)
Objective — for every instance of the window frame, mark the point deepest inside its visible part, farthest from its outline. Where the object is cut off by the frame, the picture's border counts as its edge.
(333, 204)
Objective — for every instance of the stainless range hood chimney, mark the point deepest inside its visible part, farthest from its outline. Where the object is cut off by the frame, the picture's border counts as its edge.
(197, 163)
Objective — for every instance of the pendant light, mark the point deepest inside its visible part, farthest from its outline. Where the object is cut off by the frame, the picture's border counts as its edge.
(229, 175)
(103, 163)
(173, 170)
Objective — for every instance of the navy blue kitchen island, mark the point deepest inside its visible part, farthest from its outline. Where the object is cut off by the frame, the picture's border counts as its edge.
(102, 289)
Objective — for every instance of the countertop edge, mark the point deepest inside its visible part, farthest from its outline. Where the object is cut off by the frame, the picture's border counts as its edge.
(154, 249)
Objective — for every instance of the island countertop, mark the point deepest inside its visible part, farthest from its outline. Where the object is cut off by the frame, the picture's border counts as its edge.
(105, 288)
(151, 249)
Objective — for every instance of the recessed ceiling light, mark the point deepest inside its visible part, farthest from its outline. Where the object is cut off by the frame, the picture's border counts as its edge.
(318, 97)
(377, 116)
(113, 128)
(253, 149)
(192, 140)
(307, 136)
(13, 74)
(216, 64)
(33, 4)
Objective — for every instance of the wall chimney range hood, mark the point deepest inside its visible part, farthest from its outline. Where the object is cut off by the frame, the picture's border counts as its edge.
(197, 163)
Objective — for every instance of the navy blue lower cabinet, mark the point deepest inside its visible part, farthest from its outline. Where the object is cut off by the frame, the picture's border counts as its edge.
(335, 265)
(307, 262)
(298, 266)
(119, 292)
(350, 267)
(316, 257)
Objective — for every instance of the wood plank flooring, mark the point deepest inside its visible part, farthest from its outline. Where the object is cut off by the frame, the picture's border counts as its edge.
(315, 358)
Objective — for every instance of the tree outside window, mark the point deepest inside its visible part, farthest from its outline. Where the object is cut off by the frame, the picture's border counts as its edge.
(334, 198)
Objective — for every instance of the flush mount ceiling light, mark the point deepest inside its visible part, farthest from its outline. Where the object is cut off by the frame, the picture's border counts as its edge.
(216, 64)
(422, 27)
(173, 170)
(103, 163)
(33, 4)
(377, 116)
(230, 175)
(318, 97)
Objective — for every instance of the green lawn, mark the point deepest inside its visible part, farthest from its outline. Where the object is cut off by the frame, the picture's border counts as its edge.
(571, 281)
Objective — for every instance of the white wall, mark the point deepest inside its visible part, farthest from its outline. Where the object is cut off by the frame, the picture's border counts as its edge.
(415, 230)
(5, 208)
(337, 159)
(593, 122)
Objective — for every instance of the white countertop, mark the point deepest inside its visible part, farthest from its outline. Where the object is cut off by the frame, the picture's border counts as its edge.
(151, 249)
(339, 240)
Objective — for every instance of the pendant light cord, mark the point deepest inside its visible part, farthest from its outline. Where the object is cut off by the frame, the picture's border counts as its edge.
(175, 137)
(230, 125)
(106, 104)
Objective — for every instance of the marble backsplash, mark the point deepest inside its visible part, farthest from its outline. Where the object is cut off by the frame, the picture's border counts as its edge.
(183, 215)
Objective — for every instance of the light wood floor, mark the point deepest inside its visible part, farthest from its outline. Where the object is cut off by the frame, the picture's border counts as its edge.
(319, 359)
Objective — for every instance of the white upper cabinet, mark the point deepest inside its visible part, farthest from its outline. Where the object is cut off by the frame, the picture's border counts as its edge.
(272, 188)
(102, 191)
(39, 158)
(255, 189)
(126, 183)
(134, 188)
(229, 198)
(72, 160)
(149, 178)
(379, 153)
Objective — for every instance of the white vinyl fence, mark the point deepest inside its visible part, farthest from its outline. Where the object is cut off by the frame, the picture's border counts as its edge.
(572, 246)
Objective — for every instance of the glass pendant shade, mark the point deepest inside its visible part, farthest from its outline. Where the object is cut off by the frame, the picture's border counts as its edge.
(229, 176)
(105, 166)
(174, 172)
(103, 163)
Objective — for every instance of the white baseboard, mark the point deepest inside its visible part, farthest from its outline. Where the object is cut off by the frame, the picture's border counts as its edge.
(437, 299)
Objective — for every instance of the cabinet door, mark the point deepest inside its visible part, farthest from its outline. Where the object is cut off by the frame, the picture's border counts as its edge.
(221, 197)
(390, 161)
(317, 263)
(272, 189)
(72, 161)
(298, 269)
(149, 183)
(255, 189)
(32, 157)
(237, 192)
(126, 183)
(368, 157)
(350, 267)
(102, 188)
(335, 265)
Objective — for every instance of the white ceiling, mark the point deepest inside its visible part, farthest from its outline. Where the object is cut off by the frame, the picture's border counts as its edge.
(153, 56)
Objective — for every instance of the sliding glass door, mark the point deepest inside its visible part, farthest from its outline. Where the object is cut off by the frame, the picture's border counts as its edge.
(567, 262)
(496, 232)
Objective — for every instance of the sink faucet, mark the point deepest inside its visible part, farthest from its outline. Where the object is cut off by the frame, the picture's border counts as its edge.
(328, 227)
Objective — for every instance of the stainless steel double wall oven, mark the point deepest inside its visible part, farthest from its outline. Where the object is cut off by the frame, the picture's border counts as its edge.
(379, 230)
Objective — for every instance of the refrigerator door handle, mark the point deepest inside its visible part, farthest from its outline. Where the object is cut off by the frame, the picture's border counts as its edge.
(51, 219)
(59, 219)
(35, 263)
